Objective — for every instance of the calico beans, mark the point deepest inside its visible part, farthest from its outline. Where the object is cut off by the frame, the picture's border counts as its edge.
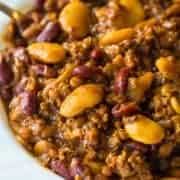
(91, 87)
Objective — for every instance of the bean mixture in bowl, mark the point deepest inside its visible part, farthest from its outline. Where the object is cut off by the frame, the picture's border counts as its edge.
(92, 88)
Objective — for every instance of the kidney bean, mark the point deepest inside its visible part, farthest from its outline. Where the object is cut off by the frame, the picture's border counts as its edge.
(96, 54)
(44, 70)
(59, 167)
(83, 71)
(121, 80)
(29, 103)
(76, 168)
(39, 4)
(124, 109)
(21, 54)
(6, 74)
(19, 88)
(5, 94)
(49, 32)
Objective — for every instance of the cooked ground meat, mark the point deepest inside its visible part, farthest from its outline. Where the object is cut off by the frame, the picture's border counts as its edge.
(91, 88)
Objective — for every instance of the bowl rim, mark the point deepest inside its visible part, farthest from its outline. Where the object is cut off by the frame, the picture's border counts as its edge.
(17, 147)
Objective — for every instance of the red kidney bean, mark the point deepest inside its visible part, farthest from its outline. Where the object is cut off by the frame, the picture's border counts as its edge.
(5, 94)
(6, 74)
(96, 54)
(83, 71)
(19, 88)
(21, 54)
(44, 70)
(49, 32)
(121, 80)
(59, 167)
(39, 4)
(126, 109)
(76, 168)
(29, 103)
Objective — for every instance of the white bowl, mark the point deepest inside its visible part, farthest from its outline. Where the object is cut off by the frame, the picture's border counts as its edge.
(15, 162)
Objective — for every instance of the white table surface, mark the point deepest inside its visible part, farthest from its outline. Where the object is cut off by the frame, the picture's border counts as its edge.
(15, 163)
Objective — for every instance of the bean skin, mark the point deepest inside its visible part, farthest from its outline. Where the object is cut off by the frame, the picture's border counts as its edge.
(76, 168)
(6, 74)
(29, 103)
(39, 4)
(6, 94)
(96, 54)
(83, 71)
(121, 80)
(20, 86)
(124, 109)
(59, 167)
(49, 32)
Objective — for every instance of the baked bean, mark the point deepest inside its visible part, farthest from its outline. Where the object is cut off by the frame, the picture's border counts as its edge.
(50, 53)
(20, 86)
(114, 37)
(83, 71)
(144, 130)
(168, 67)
(39, 4)
(42, 147)
(96, 54)
(29, 103)
(50, 32)
(135, 11)
(175, 104)
(83, 97)
(75, 24)
(60, 168)
(6, 74)
(76, 168)
(121, 80)
(125, 110)
(5, 94)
